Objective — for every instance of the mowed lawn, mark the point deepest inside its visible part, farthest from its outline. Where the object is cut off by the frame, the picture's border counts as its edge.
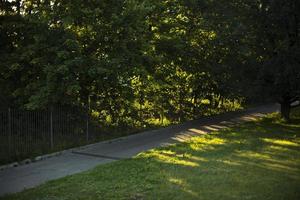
(255, 160)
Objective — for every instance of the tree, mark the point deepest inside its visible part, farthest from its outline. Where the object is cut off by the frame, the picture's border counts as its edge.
(278, 53)
(127, 59)
(261, 42)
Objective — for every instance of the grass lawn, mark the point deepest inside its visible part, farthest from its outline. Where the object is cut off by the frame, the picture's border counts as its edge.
(255, 160)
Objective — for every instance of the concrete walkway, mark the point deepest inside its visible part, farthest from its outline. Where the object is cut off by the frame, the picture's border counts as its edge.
(27, 176)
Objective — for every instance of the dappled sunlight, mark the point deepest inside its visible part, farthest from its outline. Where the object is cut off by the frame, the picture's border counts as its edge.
(230, 162)
(228, 123)
(253, 117)
(183, 186)
(254, 160)
(280, 142)
(198, 159)
(202, 143)
(186, 135)
(152, 152)
(269, 161)
(277, 169)
(281, 167)
(249, 118)
(277, 148)
(210, 128)
(182, 137)
(218, 126)
(102, 82)
(197, 131)
(171, 157)
(177, 181)
(209, 140)
(253, 155)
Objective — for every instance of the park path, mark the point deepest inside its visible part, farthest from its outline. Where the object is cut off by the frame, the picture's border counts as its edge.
(70, 162)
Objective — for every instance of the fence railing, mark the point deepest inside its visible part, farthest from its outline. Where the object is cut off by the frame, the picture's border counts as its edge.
(26, 133)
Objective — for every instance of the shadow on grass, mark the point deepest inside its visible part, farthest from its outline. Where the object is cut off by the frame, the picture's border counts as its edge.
(255, 160)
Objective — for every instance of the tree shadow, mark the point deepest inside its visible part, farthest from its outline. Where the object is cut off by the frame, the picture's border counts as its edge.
(257, 158)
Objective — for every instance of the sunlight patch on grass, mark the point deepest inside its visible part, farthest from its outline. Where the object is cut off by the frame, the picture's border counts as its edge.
(230, 162)
(272, 160)
(177, 181)
(183, 185)
(277, 148)
(170, 157)
(209, 140)
(205, 143)
(254, 155)
(280, 142)
(282, 168)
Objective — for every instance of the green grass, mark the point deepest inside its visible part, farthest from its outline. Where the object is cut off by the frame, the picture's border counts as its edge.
(255, 160)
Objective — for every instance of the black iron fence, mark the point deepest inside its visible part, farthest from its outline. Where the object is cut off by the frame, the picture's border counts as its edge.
(26, 133)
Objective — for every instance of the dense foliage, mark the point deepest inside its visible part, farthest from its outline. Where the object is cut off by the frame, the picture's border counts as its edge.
(131, 60)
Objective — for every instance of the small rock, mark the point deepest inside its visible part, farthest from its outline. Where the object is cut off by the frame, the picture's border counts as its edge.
(15, 164)
(38, 158)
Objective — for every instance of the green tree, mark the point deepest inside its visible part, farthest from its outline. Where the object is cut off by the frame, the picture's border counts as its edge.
(276, 30)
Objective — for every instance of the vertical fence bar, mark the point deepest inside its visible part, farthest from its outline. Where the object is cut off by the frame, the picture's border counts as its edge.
(29, 130)
(87, 127)
(9, 134)
(87, 118)
(51, 129)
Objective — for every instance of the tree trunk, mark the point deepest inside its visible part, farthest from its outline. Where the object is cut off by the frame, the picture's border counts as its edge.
(285, 110)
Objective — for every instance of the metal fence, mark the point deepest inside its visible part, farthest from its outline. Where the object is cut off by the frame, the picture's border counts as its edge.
(26, 133)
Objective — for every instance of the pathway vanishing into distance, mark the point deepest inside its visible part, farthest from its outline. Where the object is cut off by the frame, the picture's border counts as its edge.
(27, 176)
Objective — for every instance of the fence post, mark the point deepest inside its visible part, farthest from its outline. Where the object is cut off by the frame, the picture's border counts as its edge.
(9, 133)
(87, 119)
(87, 128)
(51, 128)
